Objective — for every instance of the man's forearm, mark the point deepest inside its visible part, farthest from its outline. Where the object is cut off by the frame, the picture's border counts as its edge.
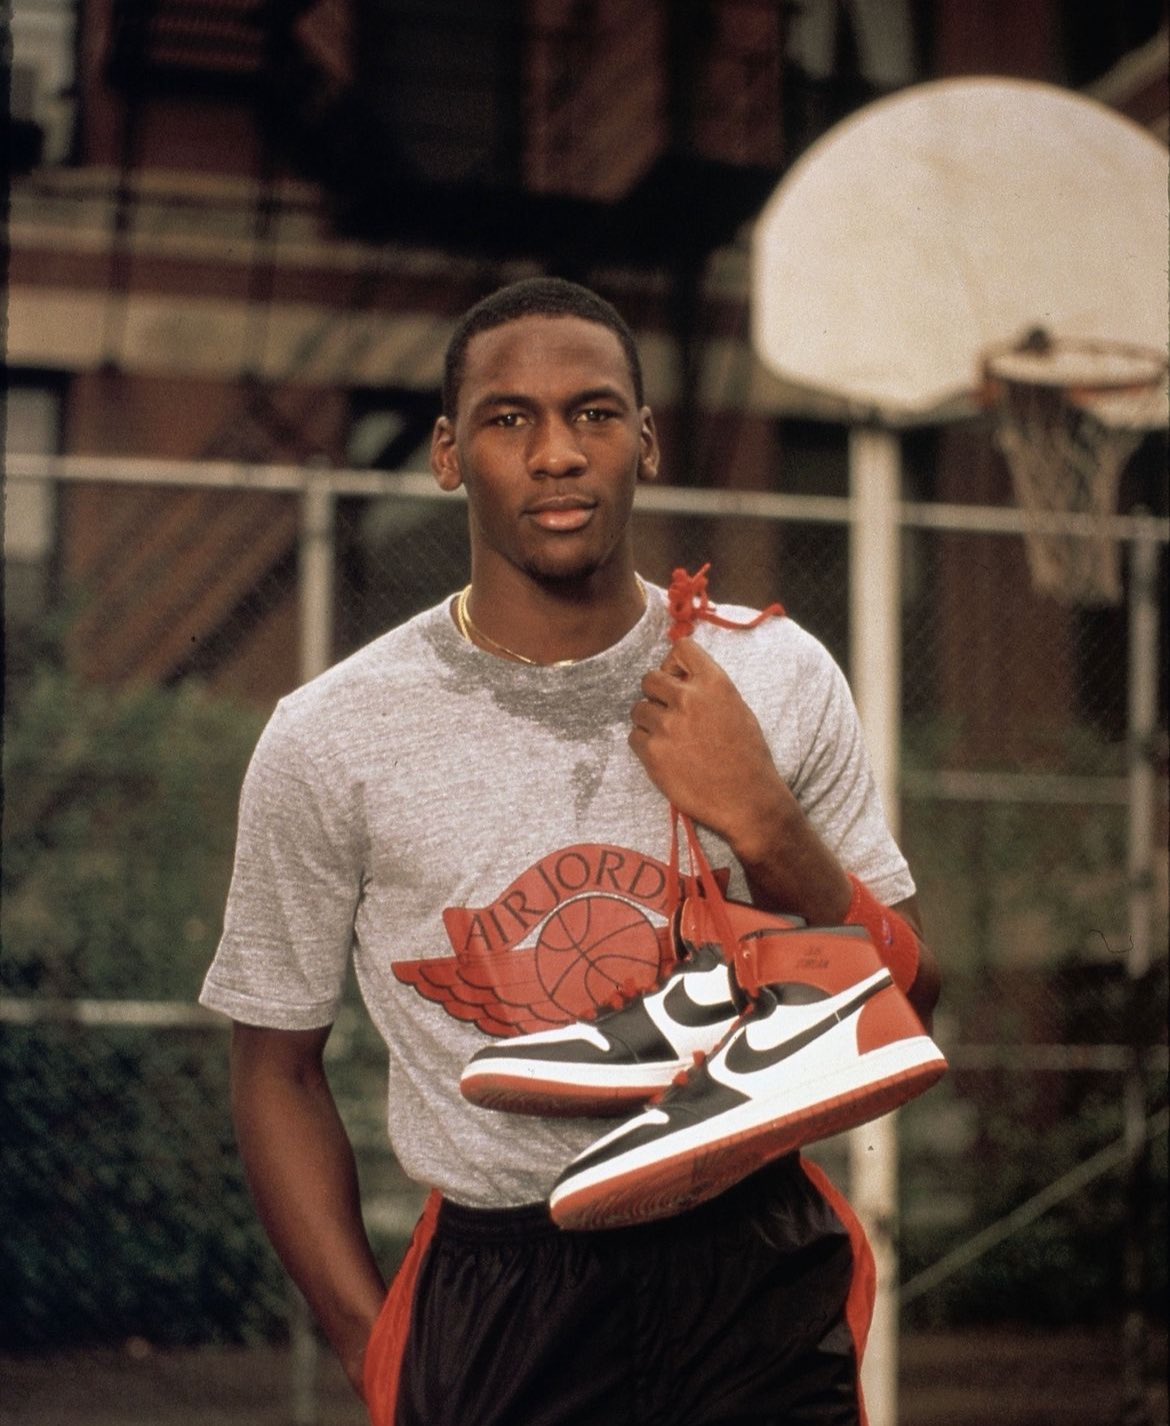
(789, 868)
(704, 749)
(301, 1171)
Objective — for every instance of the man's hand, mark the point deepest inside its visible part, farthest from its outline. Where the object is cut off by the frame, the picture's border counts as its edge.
(704, 749)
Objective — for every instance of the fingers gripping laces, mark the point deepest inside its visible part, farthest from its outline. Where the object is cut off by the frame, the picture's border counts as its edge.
(689, 604)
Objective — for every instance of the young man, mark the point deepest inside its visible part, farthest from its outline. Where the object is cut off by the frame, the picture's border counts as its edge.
(469, 809)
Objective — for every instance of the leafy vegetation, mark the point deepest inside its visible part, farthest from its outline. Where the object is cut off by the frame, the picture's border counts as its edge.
(124, 1207)
(1027, 904)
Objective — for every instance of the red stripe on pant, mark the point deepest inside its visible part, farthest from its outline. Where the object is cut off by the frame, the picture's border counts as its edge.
(863, 1288)
(383, 1364)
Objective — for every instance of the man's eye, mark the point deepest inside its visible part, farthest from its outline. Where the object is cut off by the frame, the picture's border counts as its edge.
(597, 413)
(508, 419)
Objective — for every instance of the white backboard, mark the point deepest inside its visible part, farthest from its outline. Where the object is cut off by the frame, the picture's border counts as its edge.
(948, 219)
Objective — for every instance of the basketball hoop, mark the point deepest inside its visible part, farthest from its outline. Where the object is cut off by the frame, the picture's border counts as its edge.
(1069, 414)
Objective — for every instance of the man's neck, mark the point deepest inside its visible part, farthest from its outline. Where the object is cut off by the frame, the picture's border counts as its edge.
(548, 621)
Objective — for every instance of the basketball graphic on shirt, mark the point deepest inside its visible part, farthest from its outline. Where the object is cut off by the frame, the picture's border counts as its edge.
(594, 947)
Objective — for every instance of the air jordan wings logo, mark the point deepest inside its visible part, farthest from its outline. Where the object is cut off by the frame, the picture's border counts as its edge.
(557, 943)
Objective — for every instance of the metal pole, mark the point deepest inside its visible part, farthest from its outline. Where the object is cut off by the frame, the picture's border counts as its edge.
(316, 555)
(875, 661)
(1143, 714)
(316, 560)
(1142, 717)
(303, 1355)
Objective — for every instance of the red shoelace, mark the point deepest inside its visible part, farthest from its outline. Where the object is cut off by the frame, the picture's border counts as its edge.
(689, 604)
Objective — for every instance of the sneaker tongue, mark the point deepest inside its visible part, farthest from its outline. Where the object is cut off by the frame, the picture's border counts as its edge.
(697, 927)
(745, 1001)
(703, 957)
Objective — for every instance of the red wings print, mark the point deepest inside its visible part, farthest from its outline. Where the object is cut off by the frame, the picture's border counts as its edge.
(585, 925)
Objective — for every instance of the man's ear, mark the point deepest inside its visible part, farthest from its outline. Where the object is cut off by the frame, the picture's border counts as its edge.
(445, 455)
(649, 455)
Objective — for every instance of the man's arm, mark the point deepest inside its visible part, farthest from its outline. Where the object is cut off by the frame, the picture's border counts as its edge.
(704, 749)
(301, 1171)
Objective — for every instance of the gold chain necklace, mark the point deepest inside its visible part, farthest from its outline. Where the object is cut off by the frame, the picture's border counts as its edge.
(473, 634)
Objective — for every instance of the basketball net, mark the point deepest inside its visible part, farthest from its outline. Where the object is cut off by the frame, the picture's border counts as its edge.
(1068, 417)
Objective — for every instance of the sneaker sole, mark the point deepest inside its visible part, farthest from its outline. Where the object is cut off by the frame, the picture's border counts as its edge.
(709, 1158)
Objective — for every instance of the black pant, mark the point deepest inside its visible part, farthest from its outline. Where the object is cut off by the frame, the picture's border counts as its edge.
(730, 1315)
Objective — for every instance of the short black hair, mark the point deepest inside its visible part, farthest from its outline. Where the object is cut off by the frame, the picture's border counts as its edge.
(534, 297)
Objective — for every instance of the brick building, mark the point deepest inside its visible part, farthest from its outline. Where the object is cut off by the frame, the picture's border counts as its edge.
(240, 233)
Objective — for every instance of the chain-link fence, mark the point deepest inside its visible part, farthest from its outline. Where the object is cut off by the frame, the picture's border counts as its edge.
(1032, 1181)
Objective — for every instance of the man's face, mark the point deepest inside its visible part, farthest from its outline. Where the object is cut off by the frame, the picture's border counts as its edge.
(549, 443)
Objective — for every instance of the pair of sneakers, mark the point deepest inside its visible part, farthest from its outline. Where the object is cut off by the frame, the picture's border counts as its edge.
(798, 1034)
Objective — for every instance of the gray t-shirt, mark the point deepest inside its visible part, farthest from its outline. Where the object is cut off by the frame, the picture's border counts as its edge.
(478, 837)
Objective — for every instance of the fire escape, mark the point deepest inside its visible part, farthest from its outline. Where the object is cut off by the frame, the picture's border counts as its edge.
(573, 134)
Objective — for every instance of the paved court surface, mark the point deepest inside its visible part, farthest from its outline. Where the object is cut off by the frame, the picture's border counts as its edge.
(996, 1378)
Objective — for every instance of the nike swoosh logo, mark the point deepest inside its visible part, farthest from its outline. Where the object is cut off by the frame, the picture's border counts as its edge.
(742, 1059)
(685, 1011)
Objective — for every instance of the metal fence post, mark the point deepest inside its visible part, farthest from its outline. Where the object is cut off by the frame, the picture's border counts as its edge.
(317, 557)
(875, 665)
(303, 1354)
(1142, 710)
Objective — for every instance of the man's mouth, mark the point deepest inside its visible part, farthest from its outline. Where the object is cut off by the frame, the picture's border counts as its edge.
(562, 513)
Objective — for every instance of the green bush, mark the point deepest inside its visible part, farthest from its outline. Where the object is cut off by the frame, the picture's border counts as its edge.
(1027, 906)
(119, 823)
(123, 1204)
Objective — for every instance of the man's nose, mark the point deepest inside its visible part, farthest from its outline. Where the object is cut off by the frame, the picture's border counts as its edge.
(555, 450)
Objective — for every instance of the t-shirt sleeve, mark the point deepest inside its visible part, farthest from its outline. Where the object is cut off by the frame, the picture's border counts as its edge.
(296, 882)
(836, 788)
